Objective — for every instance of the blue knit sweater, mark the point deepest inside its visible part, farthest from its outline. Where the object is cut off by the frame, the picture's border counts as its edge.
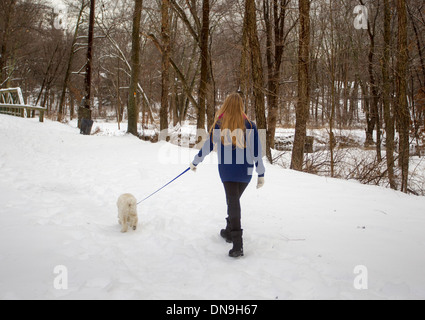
(235, 164)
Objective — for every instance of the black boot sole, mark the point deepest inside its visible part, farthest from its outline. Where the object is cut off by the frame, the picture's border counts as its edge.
(236, 254)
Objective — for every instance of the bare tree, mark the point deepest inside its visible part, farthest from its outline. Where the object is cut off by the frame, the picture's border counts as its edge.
(275, 14)
(204, 42)
(165, 35)
(403, 115)
(8, 7)
(199, 29)
(85, 112)
(386, 95)
(70, 60)
(133, 107)
(373, 120)
(256, 67)
(303, 104)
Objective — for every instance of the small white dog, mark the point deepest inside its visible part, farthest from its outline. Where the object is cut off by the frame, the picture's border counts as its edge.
(127, 212)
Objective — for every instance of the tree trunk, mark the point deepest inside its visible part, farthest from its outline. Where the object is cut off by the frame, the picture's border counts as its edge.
(70, 59)
(85, 111)
(374, 109)
(271, 80)
(119, 107)
(303, 86)
(211, 100)
(403, 116)
(71, 108)
(256, 69)
(389, 120)
(244, 67)
(418, 40)
(175, 105)
(165, 35)
(332, 68)
(133, 107)
(4, 50)
(205, 31)
(344, 119)
(275, 23)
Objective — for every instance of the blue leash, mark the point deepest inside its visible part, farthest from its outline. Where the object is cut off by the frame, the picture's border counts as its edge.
(164, 186)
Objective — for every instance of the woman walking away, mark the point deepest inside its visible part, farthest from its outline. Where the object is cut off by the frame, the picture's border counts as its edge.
(238, 149)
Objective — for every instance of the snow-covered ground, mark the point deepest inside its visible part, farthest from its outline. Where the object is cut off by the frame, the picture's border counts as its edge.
(304, 234)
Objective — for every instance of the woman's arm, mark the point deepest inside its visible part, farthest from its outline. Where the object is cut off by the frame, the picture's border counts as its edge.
(206, 148)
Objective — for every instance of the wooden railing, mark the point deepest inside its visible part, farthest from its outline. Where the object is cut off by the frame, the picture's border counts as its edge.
(12, 103)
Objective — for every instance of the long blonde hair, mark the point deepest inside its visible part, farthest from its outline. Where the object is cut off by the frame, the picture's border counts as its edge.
(231, 119)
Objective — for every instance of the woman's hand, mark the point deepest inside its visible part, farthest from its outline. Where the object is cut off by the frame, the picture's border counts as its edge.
(192, 167)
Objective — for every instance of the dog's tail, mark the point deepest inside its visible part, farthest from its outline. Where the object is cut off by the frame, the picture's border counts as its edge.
(132, 205)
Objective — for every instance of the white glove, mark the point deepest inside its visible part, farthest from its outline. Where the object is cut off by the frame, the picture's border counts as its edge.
(192, 167)
(260, 183)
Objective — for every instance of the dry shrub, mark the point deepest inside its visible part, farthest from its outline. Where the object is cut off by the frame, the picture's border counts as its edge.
(354, 162)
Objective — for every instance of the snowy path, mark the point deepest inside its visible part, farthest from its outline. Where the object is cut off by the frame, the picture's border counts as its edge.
(304, 235)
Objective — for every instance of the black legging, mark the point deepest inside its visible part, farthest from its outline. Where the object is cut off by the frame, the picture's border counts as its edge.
(234, 191)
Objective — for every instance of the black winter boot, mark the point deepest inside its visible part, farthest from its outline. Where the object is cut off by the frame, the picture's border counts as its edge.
(226, 233)
(237, 250)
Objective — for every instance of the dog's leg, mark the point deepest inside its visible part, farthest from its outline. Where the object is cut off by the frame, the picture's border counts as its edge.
(124, 226)
(133, 223)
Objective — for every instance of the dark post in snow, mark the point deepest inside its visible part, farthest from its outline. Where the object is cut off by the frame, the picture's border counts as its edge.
(84, 111)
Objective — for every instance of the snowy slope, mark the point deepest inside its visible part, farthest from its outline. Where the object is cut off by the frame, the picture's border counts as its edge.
(304, 234)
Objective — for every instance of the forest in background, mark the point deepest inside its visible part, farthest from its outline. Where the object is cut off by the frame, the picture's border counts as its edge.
(299, 64)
